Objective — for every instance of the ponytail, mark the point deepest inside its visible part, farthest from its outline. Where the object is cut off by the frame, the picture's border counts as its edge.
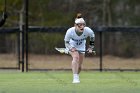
(79, 15)
(79, 19)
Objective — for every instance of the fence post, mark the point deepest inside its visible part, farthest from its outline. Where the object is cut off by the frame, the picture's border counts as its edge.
(22, 36)
(18, 50)
(101, 55)
(26, 32)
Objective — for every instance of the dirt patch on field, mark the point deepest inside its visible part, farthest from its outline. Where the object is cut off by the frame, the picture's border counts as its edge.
(64, 62)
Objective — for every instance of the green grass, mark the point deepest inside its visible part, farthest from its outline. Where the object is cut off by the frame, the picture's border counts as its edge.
(60, 82)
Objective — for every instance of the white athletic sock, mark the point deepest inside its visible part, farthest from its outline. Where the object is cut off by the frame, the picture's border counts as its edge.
(76, 76)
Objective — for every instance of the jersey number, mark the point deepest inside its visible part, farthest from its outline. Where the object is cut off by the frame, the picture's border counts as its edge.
(78, 43)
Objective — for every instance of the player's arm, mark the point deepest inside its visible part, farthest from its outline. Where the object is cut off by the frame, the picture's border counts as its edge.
(71, 48)
(67, 45)
(91, 42)
(67, 40)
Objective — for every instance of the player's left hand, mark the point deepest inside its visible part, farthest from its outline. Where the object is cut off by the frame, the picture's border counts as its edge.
(90, 50)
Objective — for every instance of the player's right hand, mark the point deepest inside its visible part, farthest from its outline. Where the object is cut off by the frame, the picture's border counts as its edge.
(73, 49)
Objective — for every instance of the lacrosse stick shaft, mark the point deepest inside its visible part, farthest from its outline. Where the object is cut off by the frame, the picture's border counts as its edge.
(64, 50)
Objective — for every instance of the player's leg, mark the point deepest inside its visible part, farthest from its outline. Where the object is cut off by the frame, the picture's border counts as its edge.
(75, 62)
(75, 66)
(81, 57)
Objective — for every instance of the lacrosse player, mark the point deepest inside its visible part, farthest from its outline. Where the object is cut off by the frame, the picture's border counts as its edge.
(75, 39)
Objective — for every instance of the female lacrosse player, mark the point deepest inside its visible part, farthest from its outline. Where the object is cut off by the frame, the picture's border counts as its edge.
(75, 42)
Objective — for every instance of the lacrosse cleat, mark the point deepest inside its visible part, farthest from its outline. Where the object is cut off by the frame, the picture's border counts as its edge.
(76, 81)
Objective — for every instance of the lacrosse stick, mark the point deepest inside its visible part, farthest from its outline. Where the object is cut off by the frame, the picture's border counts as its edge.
(66, 51)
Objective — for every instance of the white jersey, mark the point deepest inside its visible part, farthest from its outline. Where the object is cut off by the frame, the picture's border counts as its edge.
(79, 42)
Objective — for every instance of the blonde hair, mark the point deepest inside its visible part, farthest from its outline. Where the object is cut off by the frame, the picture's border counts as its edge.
(79, 15)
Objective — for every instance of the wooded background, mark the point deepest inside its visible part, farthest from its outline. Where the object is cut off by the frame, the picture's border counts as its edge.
(61, 13)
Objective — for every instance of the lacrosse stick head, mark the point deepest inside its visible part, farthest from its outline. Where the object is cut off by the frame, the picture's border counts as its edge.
(62, 50)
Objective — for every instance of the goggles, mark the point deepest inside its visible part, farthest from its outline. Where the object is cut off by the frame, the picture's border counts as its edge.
(81, 24)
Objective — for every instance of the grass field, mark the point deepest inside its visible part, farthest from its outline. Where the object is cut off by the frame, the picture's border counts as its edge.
(60, 82)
